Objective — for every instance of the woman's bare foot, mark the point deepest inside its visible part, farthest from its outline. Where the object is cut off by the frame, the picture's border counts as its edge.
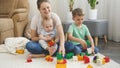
(36, 55)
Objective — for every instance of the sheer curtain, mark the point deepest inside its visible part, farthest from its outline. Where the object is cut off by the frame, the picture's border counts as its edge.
(114, 20)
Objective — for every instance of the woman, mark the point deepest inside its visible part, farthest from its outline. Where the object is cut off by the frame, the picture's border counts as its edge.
(45, 12)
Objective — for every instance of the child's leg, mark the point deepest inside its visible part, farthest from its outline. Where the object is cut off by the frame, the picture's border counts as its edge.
(77, 49)
(96, 50)
(69, 47)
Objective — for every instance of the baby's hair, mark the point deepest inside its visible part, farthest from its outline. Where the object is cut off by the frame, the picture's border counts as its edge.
(39, 2)
(77, 11)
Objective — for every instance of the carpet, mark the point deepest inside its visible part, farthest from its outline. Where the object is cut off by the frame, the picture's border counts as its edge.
(19, 61)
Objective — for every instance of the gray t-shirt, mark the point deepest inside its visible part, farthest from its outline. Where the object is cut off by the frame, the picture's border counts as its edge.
(36, 23)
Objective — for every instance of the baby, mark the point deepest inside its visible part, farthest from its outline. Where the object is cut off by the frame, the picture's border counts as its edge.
(49, 36)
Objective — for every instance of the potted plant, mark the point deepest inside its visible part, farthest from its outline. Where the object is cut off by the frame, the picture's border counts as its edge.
(93, 3)
(93, 10)
(71, 3)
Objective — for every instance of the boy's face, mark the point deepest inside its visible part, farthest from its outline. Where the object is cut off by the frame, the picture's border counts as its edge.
(48, 26)
(78, 19)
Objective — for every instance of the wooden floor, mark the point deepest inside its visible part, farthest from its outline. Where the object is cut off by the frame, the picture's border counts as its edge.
(111, 49)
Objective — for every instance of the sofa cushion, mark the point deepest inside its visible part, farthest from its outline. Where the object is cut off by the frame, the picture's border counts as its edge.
(6, 24)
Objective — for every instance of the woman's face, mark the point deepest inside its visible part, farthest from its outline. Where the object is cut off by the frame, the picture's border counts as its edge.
(45, 9)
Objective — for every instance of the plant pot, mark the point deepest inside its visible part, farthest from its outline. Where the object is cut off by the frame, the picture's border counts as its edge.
(93, 14)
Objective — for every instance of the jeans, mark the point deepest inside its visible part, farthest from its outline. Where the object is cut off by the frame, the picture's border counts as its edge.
(35, 48)
(76, 49)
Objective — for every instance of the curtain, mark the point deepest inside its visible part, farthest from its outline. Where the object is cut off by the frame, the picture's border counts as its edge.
(114, 20)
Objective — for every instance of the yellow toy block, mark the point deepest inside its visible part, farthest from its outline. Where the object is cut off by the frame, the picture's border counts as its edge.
(80, 58)
(21, 51)
(89, 66)
(103, 61)
(61, 66)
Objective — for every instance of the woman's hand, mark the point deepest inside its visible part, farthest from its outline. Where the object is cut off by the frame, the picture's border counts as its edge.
(62, 50)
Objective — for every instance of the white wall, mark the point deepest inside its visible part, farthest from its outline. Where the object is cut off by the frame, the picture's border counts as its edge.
(61, 8)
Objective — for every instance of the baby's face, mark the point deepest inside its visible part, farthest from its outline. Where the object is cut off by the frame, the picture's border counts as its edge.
(48, 26)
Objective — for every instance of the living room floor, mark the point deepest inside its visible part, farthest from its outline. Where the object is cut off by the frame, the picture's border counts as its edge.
(111, 49)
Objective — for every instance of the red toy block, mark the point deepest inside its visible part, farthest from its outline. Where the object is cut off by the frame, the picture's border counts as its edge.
(51, 43)
(63, 61)
(29, 60)
(49, 58)
(107, 59)
(86, 59)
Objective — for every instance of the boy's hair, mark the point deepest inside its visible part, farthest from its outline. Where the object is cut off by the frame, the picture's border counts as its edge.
(77, 11)
(39, 2)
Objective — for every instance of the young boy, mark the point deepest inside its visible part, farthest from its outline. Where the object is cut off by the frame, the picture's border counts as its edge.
(78, 31)
(49, 36)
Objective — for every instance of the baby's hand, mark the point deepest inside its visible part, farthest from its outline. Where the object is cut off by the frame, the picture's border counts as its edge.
(47, 38)
(51, 50)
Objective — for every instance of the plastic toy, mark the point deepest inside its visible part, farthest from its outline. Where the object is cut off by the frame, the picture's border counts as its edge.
(61, 66)
(95, 59)
(49, 58)
(51, 43)
(107, 59)
(29, 60)
(20, 51)
(86, 59)
(80, 58)
(69, 55)
(60, 59)
(89, 66)
(61, 63)
(75, 58)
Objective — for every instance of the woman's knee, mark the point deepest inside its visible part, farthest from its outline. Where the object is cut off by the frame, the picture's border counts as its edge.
(31, 45)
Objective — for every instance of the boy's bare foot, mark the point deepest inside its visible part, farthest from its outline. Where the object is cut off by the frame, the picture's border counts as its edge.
(35, 55)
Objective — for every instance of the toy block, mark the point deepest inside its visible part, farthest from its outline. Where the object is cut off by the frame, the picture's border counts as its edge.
(63, 61)
(49, 58)
(95, 59)
(59, 56)
(99, 62)
(89, 66)
(29, 60)
(69, 55)
(103, 61)
(20, 51)
(61, 66)
(107, 59)
(75, 58)
(86, 59)
(80, 58)
(51, 43)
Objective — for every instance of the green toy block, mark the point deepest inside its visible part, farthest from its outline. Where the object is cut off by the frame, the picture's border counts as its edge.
(59, 56)
(82, 54)
(88, 43)
(87, 53)
(69, 55)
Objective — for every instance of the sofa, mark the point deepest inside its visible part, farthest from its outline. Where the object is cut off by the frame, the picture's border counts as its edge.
(13, 18)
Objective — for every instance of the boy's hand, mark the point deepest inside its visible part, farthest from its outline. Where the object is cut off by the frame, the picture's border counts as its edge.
(83, 43)
(93, 50)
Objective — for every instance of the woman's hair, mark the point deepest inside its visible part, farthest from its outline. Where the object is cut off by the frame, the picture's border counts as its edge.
(39, 2)
(77, 11)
